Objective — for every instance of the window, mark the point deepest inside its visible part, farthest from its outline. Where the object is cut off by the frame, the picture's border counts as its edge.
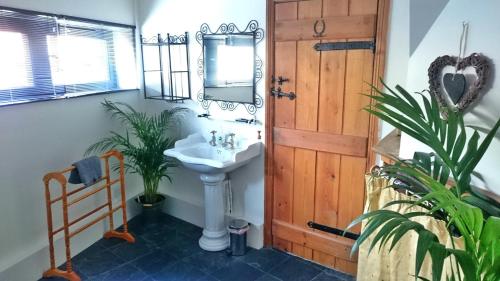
(48, 57)
(14, 70)
(77, 59)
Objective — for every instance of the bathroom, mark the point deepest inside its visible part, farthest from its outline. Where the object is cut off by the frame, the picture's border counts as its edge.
(303, 179)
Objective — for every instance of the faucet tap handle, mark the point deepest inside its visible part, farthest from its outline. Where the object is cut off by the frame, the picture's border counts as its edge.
(231, 135)
(231, 140)
(213, 141)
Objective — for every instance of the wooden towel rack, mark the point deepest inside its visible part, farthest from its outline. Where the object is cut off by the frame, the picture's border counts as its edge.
(60, 177)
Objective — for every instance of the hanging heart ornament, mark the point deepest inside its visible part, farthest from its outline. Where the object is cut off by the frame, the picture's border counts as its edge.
(454, 85)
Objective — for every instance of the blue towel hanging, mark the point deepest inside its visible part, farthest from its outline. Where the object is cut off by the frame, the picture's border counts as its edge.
(87, 171)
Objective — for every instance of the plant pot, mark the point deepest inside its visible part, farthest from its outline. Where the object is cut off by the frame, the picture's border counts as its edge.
(150, 211)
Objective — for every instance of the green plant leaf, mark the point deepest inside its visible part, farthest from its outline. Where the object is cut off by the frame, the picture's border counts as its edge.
(488, 207)
(384, 232)
(410, 99)
(438, 255)
(490, 233)
(425, 239)
(467, 264)
(475, 158)
(452, 124)
(399, 232)
(460, 143)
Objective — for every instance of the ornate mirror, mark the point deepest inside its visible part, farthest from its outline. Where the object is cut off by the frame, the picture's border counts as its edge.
(230, 67)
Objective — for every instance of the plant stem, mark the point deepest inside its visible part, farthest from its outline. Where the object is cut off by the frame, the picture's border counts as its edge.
(450, 257)
(150, 188)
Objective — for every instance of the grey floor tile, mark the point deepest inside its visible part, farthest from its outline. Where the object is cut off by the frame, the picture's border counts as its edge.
(110, 243)
(160, 236)
(296, 269)
(264, 259)
(330, 274)
(189, 229)
(210, 262)
(154, 261)
(208, 278)
(92, 263)
(179, 271)
(238, 271)
(126, 272)
(132, 251)
(268, 277)
(183, 246)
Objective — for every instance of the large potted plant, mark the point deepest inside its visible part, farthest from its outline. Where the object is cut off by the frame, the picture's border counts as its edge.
(440, 182)
(142, 144)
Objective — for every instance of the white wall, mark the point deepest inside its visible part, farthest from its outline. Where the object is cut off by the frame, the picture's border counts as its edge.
(443, 39)
(398, 50)
(37, 138)
(178, 16)
(427, 11)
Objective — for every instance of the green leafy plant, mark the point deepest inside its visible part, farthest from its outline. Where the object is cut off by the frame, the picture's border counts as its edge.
(142, 144)
(440, 182)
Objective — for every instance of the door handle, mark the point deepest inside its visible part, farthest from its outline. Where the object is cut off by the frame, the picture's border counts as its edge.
(279, 94)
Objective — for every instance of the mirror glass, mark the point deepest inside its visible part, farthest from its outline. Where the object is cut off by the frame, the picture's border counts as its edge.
(229, 67)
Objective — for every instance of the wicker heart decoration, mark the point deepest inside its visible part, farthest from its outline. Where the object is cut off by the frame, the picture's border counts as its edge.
(455, 84)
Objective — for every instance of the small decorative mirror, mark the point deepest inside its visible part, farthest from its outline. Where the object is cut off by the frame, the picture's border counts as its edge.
(230, 67)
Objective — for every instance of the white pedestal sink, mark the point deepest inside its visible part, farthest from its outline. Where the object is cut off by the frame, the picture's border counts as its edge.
(213, 163)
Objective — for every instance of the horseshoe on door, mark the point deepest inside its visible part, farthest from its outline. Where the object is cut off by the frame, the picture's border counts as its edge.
(318, 32)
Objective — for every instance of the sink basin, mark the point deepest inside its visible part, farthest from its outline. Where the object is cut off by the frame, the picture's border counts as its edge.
(198, 155)
(213, 163)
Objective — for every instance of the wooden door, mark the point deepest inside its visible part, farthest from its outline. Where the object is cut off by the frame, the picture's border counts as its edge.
(318, 143)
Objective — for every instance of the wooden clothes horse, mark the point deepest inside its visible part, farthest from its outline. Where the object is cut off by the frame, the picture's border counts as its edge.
(60, 177)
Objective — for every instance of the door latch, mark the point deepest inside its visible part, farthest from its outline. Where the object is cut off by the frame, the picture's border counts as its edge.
(281, 80)
(279, 94)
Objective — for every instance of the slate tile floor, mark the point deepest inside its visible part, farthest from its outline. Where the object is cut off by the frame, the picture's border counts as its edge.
(167, 248)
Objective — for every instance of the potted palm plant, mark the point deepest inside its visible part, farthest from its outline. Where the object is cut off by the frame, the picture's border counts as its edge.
(142, 144)
(440, 182)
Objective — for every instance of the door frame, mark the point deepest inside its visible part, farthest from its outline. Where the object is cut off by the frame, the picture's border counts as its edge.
(383, 11)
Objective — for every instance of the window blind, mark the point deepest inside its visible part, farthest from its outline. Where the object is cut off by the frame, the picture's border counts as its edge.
(47, 57)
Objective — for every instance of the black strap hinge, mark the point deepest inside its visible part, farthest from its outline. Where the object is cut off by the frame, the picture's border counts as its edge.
(332, 230)
(352, 45)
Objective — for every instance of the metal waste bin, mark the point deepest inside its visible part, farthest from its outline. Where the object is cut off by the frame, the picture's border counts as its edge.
(238, 235)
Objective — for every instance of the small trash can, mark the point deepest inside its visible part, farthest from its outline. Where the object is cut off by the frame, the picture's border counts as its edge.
(238, 235)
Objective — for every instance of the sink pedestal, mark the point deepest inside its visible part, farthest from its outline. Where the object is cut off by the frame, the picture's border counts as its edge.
(215, 236)
(213, 162)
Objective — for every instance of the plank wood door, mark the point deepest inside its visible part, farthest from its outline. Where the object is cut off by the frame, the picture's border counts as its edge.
(318, 143)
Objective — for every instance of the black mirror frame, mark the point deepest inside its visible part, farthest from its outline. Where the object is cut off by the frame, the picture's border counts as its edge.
(231, 28)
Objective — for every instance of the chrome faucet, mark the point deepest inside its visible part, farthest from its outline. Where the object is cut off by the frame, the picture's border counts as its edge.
(213, 141)
(230, 142)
